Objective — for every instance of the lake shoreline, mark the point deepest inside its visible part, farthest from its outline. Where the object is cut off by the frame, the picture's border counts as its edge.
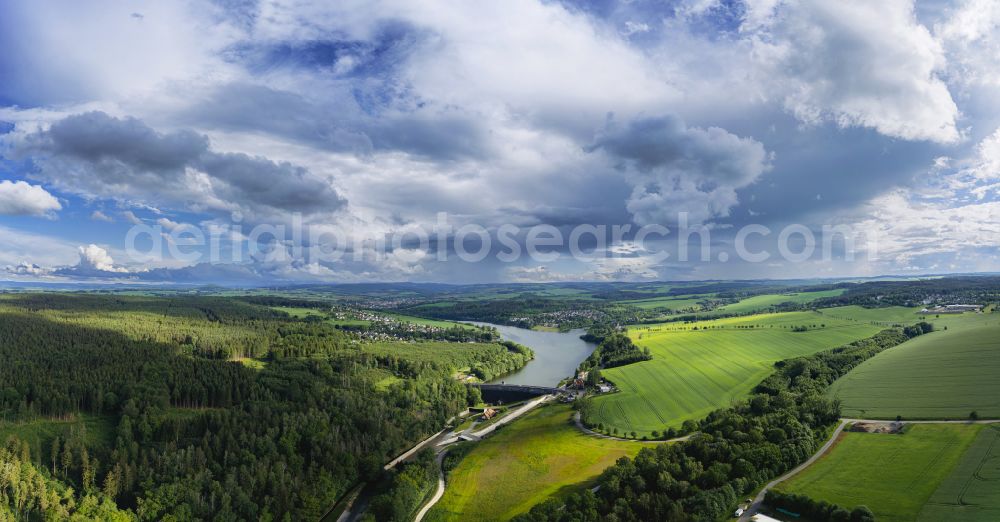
(557, 354)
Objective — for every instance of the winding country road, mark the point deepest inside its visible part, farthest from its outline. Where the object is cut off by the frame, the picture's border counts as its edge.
(437, 494)
(759, 499)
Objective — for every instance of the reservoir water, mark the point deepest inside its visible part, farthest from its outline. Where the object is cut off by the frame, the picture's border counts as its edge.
(557, 355)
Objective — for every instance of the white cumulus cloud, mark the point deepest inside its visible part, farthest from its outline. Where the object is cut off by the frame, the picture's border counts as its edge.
(19, 198)
(96, 259)
(858, 63)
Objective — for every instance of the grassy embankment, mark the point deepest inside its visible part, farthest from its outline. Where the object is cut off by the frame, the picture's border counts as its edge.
(526, 462)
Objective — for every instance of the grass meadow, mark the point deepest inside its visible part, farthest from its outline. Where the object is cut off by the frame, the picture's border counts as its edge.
(673, 303)
(894, 475)
(524, 463)
(762, 302)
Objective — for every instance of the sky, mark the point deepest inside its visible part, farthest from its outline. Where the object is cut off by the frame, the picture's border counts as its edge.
(264, 142)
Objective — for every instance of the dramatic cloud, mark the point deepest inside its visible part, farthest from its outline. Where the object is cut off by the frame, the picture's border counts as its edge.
(18, 198)
(526, 112)
(100, 155)
(858, 63)
(675, 168)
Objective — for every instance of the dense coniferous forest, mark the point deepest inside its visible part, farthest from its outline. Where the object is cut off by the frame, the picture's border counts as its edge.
(199, 434)
(28, 494)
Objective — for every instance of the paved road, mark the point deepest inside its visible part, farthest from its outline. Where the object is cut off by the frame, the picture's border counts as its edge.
(759, 499)
(413, 451)
(437, 494)
(346, 514)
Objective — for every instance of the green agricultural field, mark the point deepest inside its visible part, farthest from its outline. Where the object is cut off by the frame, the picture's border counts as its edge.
(972, 492)
(526, 462)
(894, 475)
(886, 316)
(757, 303)
(673, 303)
(699, 367)
(763, 302)
(944, 374)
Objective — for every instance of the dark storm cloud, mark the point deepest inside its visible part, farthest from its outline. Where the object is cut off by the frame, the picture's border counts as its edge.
(676, 168)
(123, 157)
(666, 142)
(559, 216)
(97, 137)
(279, 185)
(823, 173)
